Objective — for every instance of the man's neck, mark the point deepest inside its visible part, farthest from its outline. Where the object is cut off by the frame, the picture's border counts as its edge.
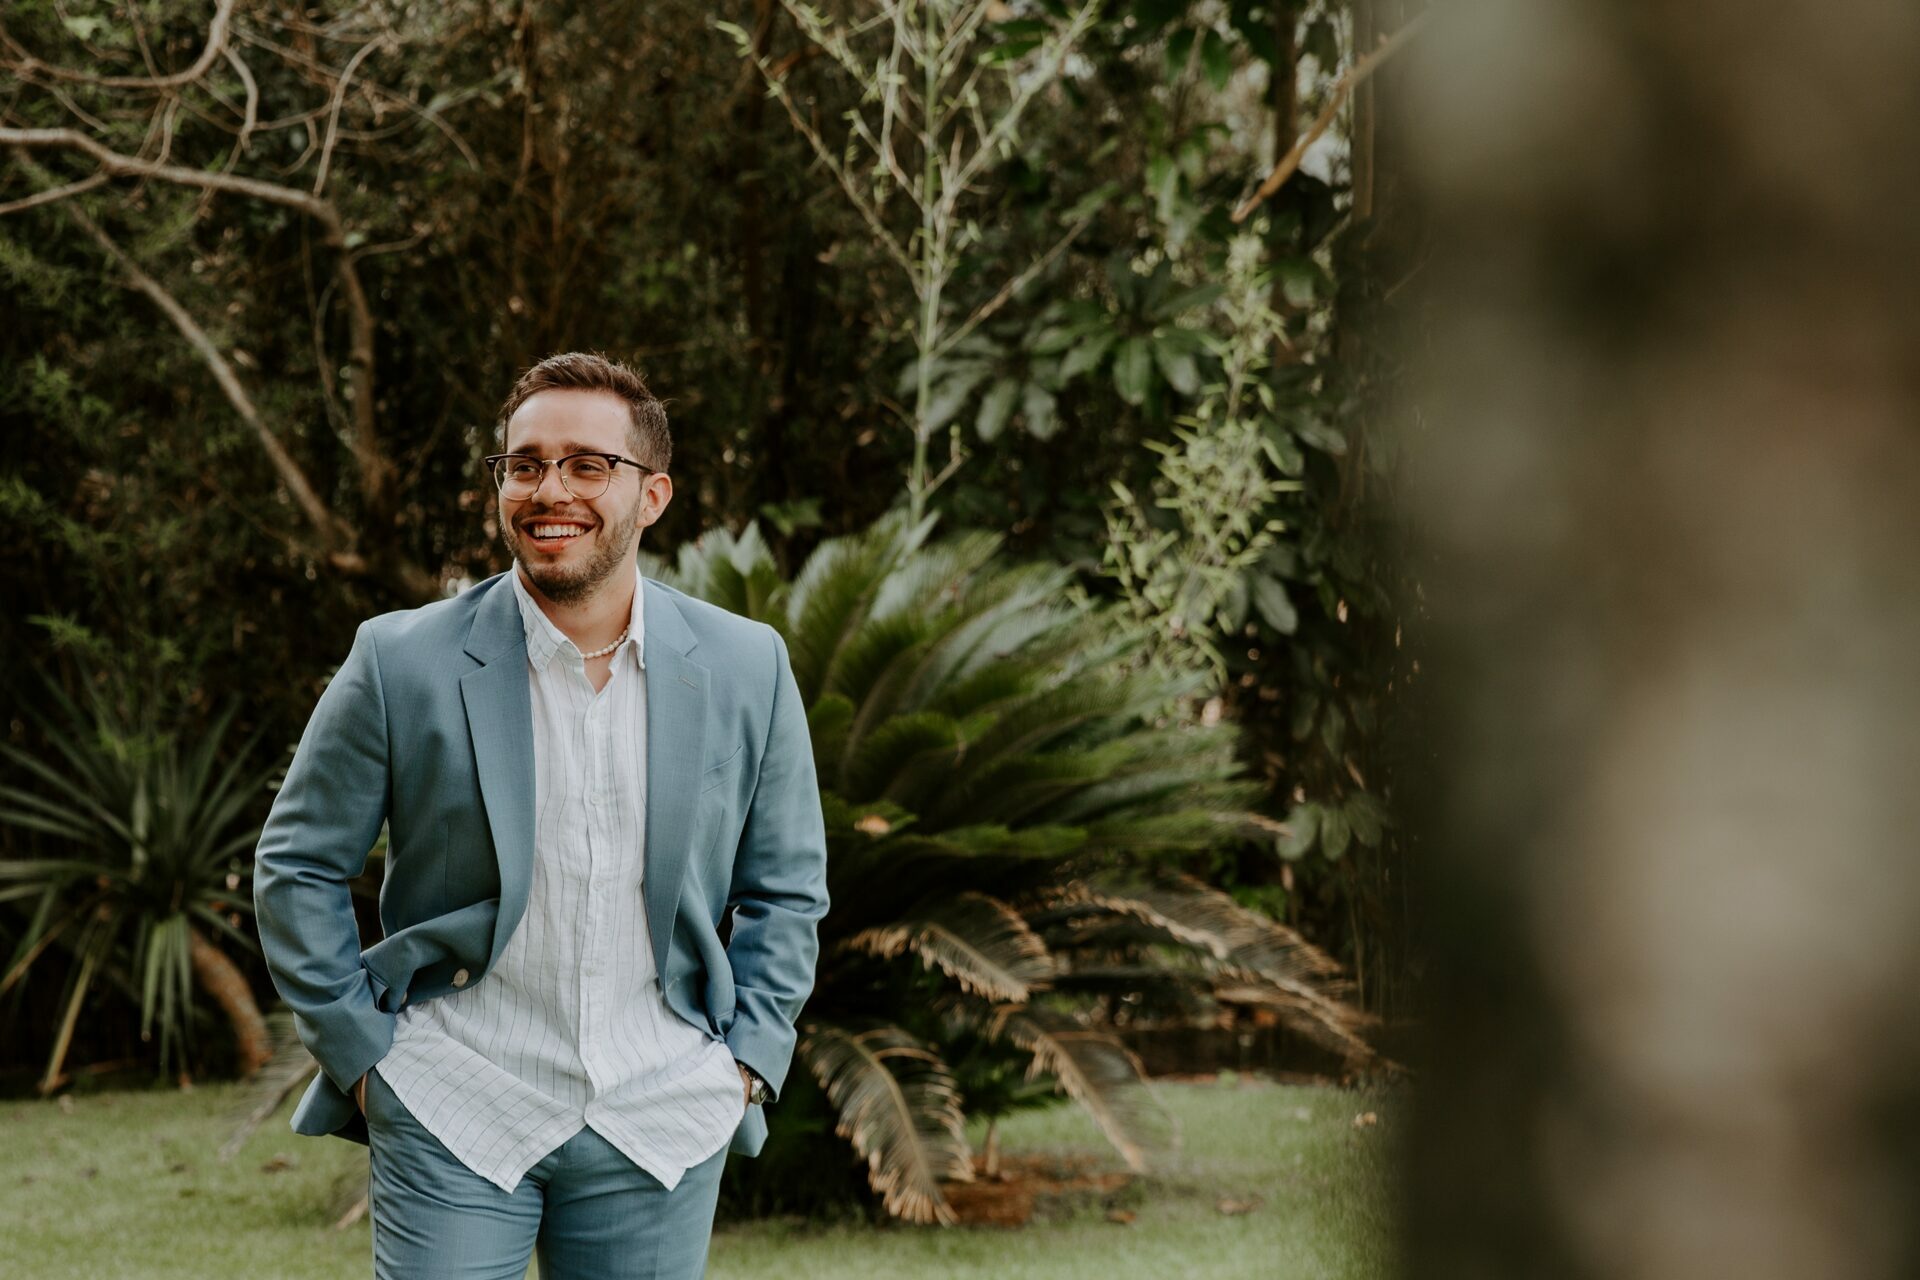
(596, 621)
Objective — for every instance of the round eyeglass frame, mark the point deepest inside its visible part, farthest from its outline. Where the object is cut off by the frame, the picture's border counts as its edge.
(493, 461)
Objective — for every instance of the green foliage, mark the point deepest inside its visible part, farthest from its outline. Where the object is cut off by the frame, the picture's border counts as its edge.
(1188, 578)
(145, 835)
(942, 94)
(999, 805)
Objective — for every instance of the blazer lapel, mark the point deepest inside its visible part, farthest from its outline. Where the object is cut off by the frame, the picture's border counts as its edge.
(499, 707)
(500, 721)
(676, 755)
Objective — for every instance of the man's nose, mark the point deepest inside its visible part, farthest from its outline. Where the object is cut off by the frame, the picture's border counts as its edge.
(551, 474)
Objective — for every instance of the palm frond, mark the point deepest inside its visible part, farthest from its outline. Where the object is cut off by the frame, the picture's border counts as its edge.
(1097, 1071)
(285, 1073)
(896, 1103)
(977, 940)
(1302, 981)
(833, 595)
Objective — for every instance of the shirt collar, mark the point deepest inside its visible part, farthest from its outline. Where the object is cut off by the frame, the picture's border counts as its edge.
(544, 639)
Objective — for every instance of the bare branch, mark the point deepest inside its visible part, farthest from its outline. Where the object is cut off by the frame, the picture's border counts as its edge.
(113, 162)
(1347, 83)
(140, 37)
(241, 69)
(339, 100)
(333, 533)
(374, 465)
(860, 202)
(431, 116)
(52, 194)
(30, 67)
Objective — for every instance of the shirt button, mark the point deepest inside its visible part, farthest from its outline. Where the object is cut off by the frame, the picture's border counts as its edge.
(460, 978)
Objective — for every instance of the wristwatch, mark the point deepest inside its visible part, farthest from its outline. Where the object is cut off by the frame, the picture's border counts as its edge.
(757, 1091)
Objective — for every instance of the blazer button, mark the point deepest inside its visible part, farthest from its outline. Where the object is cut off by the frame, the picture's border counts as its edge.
(460, 977)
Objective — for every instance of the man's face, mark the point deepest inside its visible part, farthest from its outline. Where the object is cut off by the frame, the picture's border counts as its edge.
(599, 536)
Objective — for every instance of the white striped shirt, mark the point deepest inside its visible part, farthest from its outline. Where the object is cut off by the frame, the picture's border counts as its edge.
(570, 1028)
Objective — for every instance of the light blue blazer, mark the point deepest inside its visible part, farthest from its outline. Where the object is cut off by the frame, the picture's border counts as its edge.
(428, 727)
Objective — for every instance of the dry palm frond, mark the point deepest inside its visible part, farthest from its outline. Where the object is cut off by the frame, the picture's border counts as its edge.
(979, 941)
(1302, 982)
(897, 1104)
(1097, 1071)
(282, 1075)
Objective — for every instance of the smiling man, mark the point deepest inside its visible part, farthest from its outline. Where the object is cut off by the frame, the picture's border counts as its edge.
(606, 867)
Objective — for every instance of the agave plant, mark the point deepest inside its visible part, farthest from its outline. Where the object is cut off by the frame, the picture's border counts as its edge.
(147, 835)
(1000, 809)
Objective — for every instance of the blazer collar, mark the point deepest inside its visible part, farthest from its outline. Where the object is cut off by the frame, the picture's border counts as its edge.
(499, 631)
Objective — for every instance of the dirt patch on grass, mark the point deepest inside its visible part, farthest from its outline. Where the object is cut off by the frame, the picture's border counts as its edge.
(1029, 1183)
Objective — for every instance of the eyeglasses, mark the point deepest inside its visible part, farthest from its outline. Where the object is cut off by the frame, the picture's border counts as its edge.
(584, 475)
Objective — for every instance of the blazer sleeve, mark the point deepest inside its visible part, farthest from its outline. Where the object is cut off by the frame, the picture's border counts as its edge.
(317, 836)
(779, 888)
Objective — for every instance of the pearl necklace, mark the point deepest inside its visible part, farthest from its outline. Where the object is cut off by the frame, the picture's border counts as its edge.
(610, 648)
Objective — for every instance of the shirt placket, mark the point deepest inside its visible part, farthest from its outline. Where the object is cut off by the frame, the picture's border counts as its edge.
(594, 962)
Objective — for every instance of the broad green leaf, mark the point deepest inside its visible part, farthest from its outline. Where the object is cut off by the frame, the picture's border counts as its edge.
(1334, 832)
(995, 407)
(1217, 57)
(1132, 367)
(1270, 598)
(1179, 50)
(1299, 280)
(1333, 728)
(1037, 406)
(1163, 181)
(1232, 612)
(1320, 434)
(1088, 355)
(1177, 367)
(946, 401)
(1187, 299)
(1303, 824)
(1362, 818)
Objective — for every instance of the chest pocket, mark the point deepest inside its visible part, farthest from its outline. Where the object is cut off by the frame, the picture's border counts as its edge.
(719, 774)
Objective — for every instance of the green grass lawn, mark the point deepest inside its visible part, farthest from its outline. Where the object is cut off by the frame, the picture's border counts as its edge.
(128, 1185)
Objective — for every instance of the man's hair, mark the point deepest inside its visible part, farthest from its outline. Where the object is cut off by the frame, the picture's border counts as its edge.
(647, 437)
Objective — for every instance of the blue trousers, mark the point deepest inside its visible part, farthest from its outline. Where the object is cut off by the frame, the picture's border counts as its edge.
(589, 1212)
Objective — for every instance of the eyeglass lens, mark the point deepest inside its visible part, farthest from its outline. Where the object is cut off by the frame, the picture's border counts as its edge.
(584, 476)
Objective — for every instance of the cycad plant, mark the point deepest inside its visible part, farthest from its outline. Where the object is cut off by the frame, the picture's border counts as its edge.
(1001, 813)
(123, 852)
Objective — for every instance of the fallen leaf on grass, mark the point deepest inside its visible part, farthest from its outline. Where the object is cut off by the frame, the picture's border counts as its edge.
(278, 1162)
(1122, 1216)
(1230, 1206)
(1366, 1119)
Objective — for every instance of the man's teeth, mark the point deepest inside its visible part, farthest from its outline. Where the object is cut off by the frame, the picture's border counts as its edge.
(556, 530)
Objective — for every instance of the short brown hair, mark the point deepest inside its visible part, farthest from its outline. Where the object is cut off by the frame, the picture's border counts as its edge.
(647, 436)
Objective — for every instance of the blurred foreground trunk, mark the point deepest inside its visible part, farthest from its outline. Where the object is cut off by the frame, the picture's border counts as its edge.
(1670, 485)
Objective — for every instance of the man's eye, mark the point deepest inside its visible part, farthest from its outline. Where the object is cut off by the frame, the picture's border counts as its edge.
(588, 469)
(522, 470)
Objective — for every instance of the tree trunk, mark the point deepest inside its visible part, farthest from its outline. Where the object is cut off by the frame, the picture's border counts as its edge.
(1668, 467)
(220, 978)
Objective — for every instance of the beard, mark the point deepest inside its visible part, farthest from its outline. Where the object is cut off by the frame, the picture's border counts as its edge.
(573, 582)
